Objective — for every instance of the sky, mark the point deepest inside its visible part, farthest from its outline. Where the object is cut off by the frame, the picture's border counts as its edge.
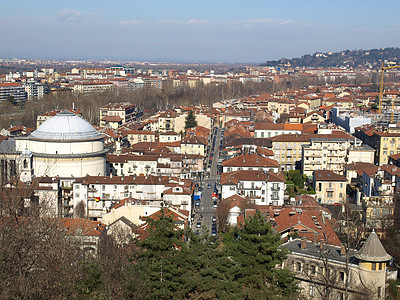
(251, 31)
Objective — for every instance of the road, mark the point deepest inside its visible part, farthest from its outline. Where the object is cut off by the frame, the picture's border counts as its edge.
(206, 209)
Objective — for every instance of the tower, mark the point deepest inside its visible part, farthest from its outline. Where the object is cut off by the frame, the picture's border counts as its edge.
(26, 161)
(372, 265)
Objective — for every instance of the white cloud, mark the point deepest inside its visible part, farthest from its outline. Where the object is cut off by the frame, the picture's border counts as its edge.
(69, 15)
(194, 21)
(131, 22)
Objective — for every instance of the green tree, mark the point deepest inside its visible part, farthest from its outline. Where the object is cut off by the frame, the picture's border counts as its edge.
(190, 120)
(255, 250)
(159, 258)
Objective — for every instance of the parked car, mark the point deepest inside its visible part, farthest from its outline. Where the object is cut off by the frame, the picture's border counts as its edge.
(215, 204)
(209, 186)
(198, 224)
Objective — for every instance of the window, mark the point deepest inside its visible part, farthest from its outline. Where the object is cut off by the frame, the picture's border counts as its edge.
(77, 186)
(379, 292)
(373, 266)
(341, 276)
(298, 266)
(312, 291)
(340, 296)
(329, 194)
(77, 195)
(380, 266)
(341, 185)
(313, 270)
(275, 195)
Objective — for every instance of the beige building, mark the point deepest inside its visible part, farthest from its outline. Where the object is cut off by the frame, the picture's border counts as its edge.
(328, 272)
(287, 149)
(194, 145)
(329, 187)
(169, 137)
(326, 152)
(126, 111)
(362, 153)
(138, 136)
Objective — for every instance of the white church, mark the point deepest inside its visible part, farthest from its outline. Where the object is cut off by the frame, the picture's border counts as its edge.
(65, 146)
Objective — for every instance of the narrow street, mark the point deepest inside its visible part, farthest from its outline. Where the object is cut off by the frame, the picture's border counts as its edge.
(207, 211)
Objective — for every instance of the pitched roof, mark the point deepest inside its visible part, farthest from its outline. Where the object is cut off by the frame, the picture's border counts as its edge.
(250, 160)
(373, 250)
(328, 175)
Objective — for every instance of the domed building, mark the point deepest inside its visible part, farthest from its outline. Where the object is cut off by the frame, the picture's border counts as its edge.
(65, 145)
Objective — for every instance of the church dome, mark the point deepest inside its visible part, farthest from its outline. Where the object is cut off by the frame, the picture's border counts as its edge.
(65, 126)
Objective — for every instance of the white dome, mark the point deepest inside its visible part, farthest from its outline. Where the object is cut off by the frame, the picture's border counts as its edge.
(65, 126)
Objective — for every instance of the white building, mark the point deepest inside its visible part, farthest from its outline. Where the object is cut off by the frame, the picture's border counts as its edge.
(66, 146)
(262, 187)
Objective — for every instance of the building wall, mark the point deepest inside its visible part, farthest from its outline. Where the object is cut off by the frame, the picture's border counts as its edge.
(329, 192)
(324, 155)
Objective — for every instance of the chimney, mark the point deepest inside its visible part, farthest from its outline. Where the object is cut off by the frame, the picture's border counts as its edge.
(342, 251)
(303, 244)
(111, 175)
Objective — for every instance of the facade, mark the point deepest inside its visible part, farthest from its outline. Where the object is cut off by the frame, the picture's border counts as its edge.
(126, 111)
(348, 119)
(329, 187)
(261, 187)
(287, 149)
(138, 136)
(100, 193)
(14, 89)
(326, 152)
(194, 145)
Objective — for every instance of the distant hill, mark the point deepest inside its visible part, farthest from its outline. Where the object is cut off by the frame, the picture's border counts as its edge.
(348, 58)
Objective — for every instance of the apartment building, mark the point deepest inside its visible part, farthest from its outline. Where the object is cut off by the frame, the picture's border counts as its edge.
(194, 145)
(99, 193)
(287, 149)
(139, 136)
(166, 121)
(91, 86)
(14, 89)
(261, 187)
(126, 111)
(329, 187)
(386, 143)
(326, 152)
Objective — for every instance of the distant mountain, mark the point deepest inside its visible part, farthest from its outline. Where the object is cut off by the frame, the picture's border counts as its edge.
(349, 58)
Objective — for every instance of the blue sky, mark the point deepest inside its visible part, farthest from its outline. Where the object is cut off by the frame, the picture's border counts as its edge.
(250, 31)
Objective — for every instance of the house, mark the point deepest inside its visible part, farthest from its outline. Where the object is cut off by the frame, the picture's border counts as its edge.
(329, 187)
(194, 145)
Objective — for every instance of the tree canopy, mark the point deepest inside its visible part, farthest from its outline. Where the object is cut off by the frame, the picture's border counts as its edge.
(190, 120)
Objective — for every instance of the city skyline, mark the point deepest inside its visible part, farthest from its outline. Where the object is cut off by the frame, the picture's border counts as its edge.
(186, 31)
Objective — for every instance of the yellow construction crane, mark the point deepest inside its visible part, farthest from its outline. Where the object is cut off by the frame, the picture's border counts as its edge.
(383, 69)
